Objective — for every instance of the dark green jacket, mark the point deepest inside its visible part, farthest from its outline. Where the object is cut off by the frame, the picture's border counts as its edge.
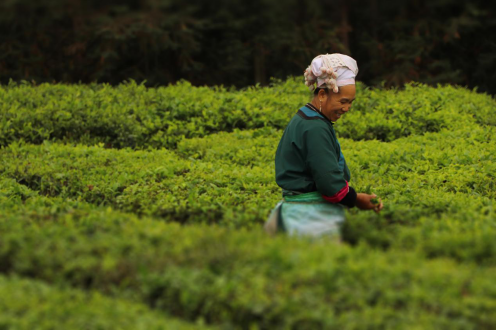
(309, 157)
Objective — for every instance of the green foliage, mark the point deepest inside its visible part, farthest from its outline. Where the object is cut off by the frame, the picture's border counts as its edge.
(134, 116)
(150, 183)
(173, 221)
(387, 115)
(34, 305)
(228, 179)
(130, 115)
(237, 279)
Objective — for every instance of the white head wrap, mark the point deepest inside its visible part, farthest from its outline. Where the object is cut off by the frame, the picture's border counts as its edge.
(331, 71)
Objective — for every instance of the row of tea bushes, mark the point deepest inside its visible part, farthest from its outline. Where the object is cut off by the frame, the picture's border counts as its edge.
(472, 145)
(243, 148)
(125, 229)
(29, 304)
(143, 182)
(439, 195)
(439, 188)
(232, 279)
(459, 162)
(131, 115)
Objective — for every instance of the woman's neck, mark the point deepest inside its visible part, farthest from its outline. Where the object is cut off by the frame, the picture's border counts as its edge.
(317, 109)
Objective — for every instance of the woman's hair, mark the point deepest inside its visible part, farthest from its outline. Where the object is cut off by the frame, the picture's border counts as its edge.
(316, 91)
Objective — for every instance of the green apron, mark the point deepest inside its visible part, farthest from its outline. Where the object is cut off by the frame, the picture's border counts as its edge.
(307, 214)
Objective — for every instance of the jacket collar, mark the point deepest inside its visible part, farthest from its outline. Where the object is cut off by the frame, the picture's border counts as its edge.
(313, 108)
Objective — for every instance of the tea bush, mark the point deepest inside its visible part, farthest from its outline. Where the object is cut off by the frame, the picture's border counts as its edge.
(130, 115)
(230, 278)
(145, 200)
(33, 305)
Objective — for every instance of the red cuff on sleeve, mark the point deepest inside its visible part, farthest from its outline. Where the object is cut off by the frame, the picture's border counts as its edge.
(339, 196)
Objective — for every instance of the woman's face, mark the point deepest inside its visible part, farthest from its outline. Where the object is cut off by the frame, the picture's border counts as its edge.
(334, 105)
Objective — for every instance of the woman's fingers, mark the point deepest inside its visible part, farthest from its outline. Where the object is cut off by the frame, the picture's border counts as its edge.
(379, 207)
(364, 202)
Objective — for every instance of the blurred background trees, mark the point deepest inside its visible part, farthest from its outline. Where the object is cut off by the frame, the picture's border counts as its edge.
(234, 42)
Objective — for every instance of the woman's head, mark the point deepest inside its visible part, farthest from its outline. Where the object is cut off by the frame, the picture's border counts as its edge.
(334, 75)
(332, 104)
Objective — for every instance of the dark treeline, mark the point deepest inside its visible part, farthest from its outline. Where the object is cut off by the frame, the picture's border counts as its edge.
(240, 42)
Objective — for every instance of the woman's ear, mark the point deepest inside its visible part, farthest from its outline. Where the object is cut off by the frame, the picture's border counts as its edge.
(323, 95)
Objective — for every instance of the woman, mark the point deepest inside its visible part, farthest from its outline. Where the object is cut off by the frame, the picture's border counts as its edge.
(310, 166)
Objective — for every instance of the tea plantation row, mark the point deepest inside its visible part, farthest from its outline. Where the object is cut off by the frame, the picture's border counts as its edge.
(130, 115)
(151, 202)
(439, 188)
(34, 305)
(225, 278)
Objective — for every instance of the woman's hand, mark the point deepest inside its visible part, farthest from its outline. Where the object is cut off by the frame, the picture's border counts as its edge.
(363, 202)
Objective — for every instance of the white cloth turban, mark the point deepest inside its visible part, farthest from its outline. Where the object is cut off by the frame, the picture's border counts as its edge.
(331, 71)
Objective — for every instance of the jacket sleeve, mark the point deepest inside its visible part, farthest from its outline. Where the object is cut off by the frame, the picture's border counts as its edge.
(322, 162)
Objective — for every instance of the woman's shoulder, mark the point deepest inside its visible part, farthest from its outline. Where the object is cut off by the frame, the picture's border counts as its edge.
(310, 122)
(302, 129)
(312, 118)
